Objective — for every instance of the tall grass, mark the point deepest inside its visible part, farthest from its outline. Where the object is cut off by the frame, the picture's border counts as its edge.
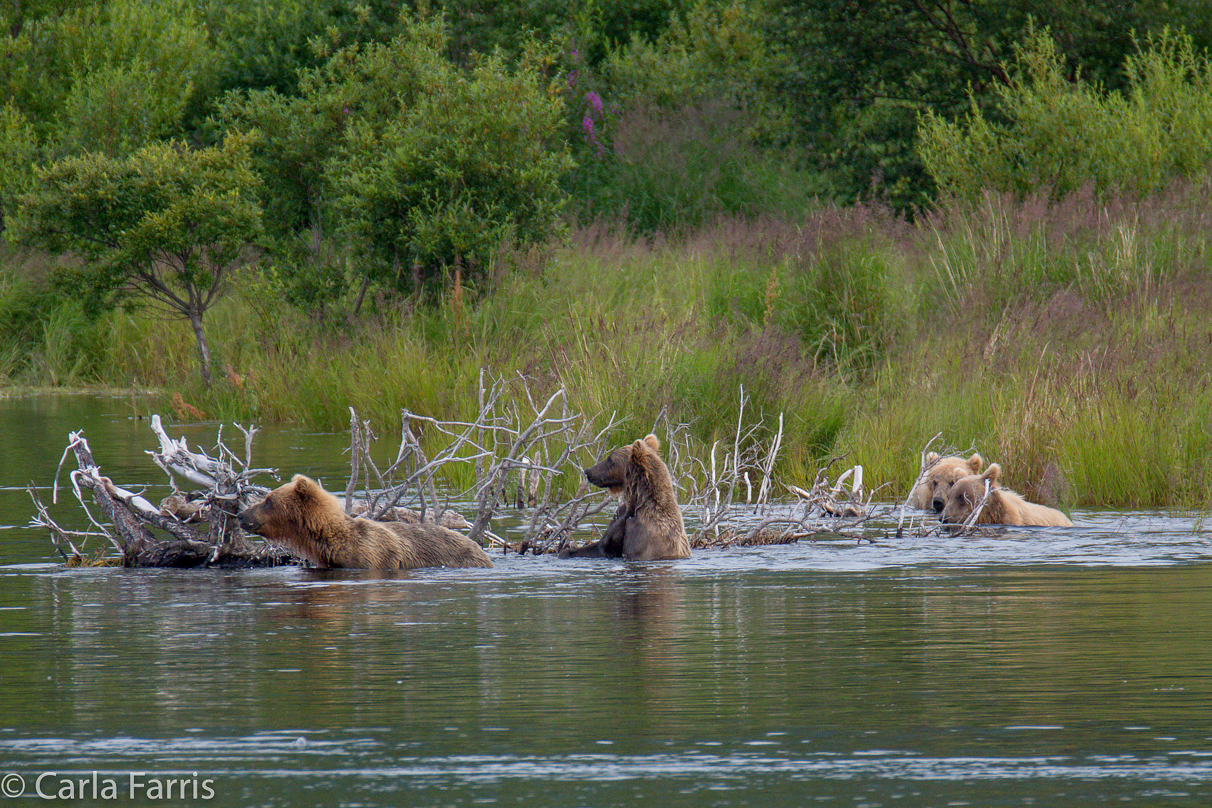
(1066, 340)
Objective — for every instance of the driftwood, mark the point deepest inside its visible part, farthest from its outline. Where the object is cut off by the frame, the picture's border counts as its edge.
(829, 509)
(523, 451)
(836, 499)
(714, 485)
(141, 533)
(534, 446)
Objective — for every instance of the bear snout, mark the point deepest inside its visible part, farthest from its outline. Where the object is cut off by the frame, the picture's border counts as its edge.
(938, 505)
(594, 479)
(248, 521)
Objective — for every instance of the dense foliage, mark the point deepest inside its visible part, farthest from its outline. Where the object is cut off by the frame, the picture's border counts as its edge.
(1056, 135)
(673, 111)
(862, 73)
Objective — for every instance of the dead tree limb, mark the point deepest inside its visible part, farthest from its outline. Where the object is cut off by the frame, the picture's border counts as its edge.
(135, 528)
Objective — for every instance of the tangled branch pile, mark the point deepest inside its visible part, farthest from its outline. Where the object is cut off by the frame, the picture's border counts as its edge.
(525, 452)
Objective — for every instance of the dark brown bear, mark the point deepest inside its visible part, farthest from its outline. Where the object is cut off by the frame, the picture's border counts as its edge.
(648, 524)
(310, 522)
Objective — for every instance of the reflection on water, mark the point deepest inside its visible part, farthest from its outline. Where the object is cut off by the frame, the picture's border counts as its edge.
(1037, 667)
(606, 683)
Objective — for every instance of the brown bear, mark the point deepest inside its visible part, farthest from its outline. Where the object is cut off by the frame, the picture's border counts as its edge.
(930, 493)
(310, 522)
(1003, 507)
(648, 525)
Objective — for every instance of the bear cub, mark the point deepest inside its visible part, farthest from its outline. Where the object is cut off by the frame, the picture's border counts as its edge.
(1004, 507)
(930, 493)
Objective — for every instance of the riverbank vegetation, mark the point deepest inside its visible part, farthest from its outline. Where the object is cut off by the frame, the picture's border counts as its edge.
(1067, 340)
(657, 208)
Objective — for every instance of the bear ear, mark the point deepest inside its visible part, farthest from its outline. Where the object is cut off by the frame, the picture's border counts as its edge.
(653, 442)
(992, 473)
(305, 487)
(931, 458)
(975, 462)
(639, 447)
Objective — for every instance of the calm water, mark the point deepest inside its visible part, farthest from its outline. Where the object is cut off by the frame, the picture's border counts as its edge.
(1051, 668)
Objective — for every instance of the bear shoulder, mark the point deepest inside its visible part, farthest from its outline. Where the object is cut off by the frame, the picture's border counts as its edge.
(1001, 508)
(1008, 507)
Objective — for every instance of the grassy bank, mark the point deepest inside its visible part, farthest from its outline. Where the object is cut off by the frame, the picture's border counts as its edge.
(1068, 341)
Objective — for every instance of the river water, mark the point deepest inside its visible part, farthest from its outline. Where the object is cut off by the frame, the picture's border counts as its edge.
(1060, 667)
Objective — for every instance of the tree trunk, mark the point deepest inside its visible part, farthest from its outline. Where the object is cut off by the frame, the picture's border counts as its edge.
(361, 295)
(195, 320)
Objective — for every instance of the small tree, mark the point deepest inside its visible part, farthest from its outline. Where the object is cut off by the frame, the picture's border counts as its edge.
(167, 223)
(437, 167)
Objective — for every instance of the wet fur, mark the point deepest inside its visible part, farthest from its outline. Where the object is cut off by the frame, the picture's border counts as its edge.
(648, 524)
(307, 520)
(1005, 507)
(930, 493)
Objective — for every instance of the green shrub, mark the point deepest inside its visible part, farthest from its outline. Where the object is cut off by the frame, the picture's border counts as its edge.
(418, 166)
(45, 336)
(18, 155)
(1060, 135)
(109, 76)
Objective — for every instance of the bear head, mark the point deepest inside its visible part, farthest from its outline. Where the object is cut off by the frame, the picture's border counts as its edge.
(968, 492)
(944, 472)
(612, 471)
(300, 508)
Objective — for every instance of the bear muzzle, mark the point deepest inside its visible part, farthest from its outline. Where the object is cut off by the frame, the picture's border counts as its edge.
(249, 522)
(595, 479)
(949, 521)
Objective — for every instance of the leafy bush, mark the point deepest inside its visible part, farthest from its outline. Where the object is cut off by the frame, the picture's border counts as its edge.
(109, 76)
(18, 154)
(45, 335)
(271, 45)
(418, 165)
(1060, 135)
(465, 166)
